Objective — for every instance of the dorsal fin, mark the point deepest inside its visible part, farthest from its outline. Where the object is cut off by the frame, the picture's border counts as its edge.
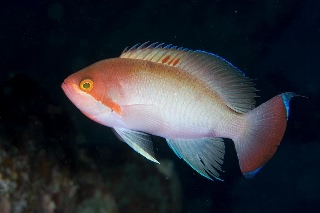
(233, 87)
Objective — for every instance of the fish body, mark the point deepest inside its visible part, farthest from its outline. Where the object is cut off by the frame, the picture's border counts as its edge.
(194, 99)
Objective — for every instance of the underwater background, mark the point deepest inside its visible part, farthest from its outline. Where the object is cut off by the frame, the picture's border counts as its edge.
(54, 159)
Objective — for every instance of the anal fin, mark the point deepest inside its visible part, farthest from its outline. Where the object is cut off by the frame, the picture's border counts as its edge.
(205, 155)
(138, 141)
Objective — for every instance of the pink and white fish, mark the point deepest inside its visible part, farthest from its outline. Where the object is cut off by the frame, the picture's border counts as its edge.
(193, 99)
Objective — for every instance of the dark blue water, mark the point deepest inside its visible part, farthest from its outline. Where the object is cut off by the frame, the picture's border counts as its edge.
(53, 159)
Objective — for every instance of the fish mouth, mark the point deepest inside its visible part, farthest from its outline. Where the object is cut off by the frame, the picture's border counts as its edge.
(65, 86)
(68, 90)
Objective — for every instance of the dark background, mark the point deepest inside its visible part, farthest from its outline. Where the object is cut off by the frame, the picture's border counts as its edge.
(274, 42)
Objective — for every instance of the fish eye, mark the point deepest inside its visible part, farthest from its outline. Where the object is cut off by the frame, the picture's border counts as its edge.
(86, 85)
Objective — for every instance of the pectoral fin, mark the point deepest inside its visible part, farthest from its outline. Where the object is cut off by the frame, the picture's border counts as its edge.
(138, 141)
(144, 117)
(204, 155)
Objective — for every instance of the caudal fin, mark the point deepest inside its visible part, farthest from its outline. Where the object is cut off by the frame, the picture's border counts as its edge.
(265, 127)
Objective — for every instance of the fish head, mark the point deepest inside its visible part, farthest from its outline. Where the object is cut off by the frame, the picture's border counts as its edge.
(89, 90)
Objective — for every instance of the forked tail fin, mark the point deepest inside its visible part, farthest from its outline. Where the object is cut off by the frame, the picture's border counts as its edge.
(266, 125)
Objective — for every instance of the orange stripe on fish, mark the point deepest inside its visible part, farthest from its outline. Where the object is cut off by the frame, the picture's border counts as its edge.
(113, 106)
(176, 61)
(164, 60)
(172, 62)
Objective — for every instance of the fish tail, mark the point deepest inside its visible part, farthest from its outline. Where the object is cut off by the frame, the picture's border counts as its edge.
(265, 127)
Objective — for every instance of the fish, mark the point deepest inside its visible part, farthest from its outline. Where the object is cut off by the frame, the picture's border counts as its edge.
(192, 98)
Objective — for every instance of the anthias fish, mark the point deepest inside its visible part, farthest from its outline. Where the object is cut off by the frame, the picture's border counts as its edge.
(193, 99)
